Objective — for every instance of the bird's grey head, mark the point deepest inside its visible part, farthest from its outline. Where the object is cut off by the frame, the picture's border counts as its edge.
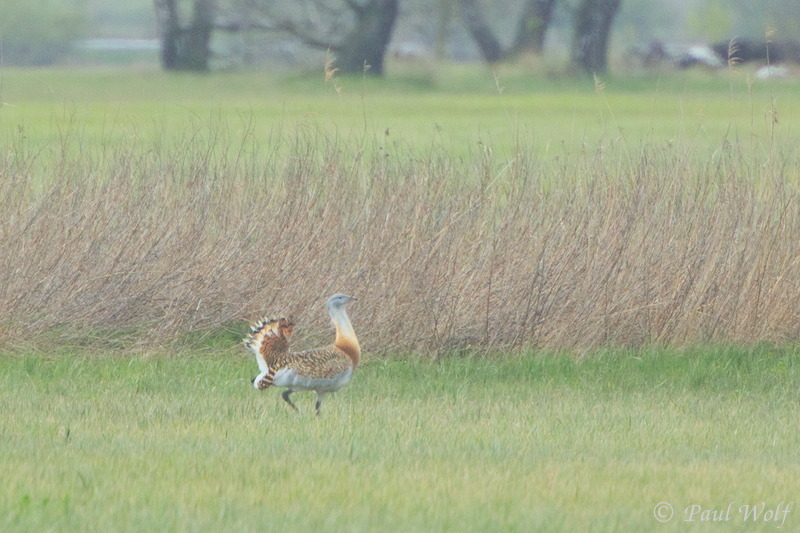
(338, 301)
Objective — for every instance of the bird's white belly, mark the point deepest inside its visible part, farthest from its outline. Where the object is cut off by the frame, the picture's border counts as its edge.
(288, 377)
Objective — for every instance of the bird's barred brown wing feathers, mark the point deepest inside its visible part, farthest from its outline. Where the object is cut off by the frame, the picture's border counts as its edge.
(320, 363)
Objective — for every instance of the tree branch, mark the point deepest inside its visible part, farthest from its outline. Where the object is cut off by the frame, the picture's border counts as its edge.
(307, 35)
(355, 6)
(314, 27)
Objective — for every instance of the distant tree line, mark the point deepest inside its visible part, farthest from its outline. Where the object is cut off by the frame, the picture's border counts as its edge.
(358, 32)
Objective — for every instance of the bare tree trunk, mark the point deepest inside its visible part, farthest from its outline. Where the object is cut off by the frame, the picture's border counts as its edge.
(198, 38)
(442, 26)
(364, 49)
(593, 22)
(532, 27)
(483, 35)
(185, 48)
(169, 28)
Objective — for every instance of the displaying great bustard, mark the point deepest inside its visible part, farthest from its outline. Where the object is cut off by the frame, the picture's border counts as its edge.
(322, 370)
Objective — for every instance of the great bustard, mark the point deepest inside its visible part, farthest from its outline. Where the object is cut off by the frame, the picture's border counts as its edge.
(322, 370)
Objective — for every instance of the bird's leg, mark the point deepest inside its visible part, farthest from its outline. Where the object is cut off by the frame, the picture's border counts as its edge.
(285, 395)
(320, 396)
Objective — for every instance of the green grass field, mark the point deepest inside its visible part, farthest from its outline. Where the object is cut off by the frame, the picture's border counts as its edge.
(454, 109)
(527, 442)
(105, 438)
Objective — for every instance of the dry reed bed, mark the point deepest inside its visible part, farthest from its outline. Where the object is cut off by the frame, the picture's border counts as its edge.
(657, 247)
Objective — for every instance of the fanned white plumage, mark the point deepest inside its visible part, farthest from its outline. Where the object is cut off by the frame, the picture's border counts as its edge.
(253, 343)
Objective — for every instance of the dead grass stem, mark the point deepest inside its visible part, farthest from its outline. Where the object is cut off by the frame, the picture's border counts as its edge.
(659, 248)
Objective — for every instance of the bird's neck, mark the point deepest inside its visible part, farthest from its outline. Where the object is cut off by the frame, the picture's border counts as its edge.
(346, 339)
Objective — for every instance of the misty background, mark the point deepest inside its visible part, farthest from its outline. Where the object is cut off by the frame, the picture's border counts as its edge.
(126, 32)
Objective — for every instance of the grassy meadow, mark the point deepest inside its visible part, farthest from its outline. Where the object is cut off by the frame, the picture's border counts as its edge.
(533, 442)
(453, 108)
(577, 299)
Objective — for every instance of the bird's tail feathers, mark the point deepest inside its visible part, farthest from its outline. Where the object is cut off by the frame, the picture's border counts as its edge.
(267, 333)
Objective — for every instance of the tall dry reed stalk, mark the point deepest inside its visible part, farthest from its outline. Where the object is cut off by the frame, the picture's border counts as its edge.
(157, 242)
